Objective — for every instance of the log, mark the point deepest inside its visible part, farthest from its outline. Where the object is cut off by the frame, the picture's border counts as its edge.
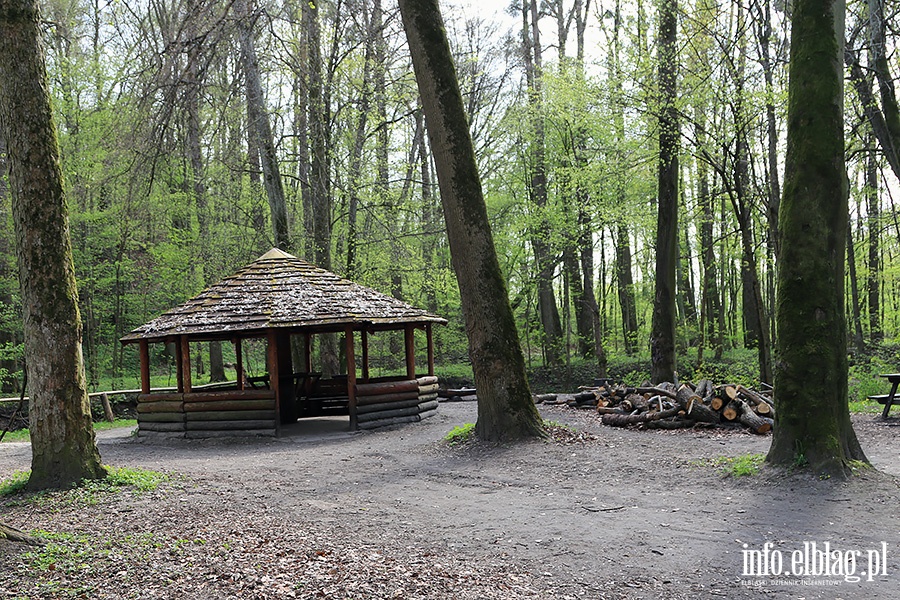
(427, 389)
(541, 398)
(368, 408)
(704, 388)
(387, 414)
(669, 424)
(685, 396)
(159, 427)
(167, 397)
(584, 397)
(716, 403)
(621, 420)
(427, 379)
(753, 396)
(609, 410)
(205, 434)
(161, 417)
(428, 397)
(427, 413)
(699, 412)
(638, 401)
(387, 387)
(392, 397)
(751, 420)
(226, 395)
(160, 407)
(14, 535)
(731, 411)
(107, 408)
(387, 422)
(230, 415)
(426, 406)
(263, 404)
(229, 425)
(764, 409)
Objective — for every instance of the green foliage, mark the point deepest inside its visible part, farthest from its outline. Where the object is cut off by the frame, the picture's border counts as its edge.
(15, 483)
(89, 491)
(739, 466)
(22, 435)
(460, 434)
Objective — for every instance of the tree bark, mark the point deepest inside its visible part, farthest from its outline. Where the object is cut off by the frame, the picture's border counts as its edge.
(662, 335)
(813, 419)
(62, 436)
(873, 283)
(539, 233)
(260, 129)
(505, 408)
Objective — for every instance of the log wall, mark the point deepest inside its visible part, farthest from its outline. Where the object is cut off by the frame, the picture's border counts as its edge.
(392, 402)
(207, 414)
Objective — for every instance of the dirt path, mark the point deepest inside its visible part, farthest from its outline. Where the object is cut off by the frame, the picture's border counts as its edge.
(395, 513)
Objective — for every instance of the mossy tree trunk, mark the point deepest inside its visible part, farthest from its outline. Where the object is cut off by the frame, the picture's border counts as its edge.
(505, 409)
(813, 420)
(62, 437)
(662, 334)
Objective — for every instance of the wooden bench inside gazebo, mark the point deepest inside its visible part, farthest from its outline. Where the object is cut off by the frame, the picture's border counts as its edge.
(285, 301)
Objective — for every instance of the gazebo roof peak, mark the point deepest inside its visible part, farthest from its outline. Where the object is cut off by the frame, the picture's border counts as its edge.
(276, 253)
(280, 291)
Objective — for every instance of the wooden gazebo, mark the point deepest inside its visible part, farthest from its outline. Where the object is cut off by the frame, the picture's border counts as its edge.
(274, 298)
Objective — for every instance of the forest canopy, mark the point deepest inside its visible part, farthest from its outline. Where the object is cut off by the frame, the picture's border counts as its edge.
(180, 120)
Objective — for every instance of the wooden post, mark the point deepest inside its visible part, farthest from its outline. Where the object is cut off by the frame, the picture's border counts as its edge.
(186, 364)
(239, 367)
(179, 366)
(307, 353)
(365, 355)
(272, 355)
(410, 336)
(107, 408)
(430, 337)
(351, 377)
(144, 350)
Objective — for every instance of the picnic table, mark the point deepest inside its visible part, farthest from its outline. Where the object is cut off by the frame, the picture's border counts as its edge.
(888, 399)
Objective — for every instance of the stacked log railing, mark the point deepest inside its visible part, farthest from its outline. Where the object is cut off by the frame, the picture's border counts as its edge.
(207, 414)
(392, 402)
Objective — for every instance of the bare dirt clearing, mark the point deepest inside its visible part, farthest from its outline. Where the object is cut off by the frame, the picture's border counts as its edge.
(395, 513)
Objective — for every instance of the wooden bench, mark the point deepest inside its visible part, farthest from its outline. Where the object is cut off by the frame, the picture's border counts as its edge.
(889, 398)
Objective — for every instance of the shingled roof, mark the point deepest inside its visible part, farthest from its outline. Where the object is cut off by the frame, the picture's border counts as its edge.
(279, 290)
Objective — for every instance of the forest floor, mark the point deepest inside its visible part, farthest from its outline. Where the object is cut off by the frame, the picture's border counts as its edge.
(397, 513)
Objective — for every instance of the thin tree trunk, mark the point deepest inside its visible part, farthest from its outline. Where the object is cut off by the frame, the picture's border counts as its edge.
(858, 339)
(62, 437)
(505, 408)
(873, 282)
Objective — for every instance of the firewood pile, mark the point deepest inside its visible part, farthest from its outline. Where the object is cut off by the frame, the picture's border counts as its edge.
(667, 406)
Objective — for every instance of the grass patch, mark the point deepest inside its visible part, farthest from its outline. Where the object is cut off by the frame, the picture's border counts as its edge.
(460, 434)
(22, 435)
(866, 407)
(90, 491)
(746, 465)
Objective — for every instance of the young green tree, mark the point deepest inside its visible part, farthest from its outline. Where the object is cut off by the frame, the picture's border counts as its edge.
(62, 438)
(505, 409)
(813, 420)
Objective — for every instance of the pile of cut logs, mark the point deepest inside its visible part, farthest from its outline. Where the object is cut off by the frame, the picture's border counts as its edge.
(667, 406)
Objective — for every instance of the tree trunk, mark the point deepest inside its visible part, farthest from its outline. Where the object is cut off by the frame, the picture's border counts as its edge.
(505, 408)
(62, 437)
(260, 129)
(858, 340)
(547, 308)
(813, 419)
(873, 282)
(662, 335)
